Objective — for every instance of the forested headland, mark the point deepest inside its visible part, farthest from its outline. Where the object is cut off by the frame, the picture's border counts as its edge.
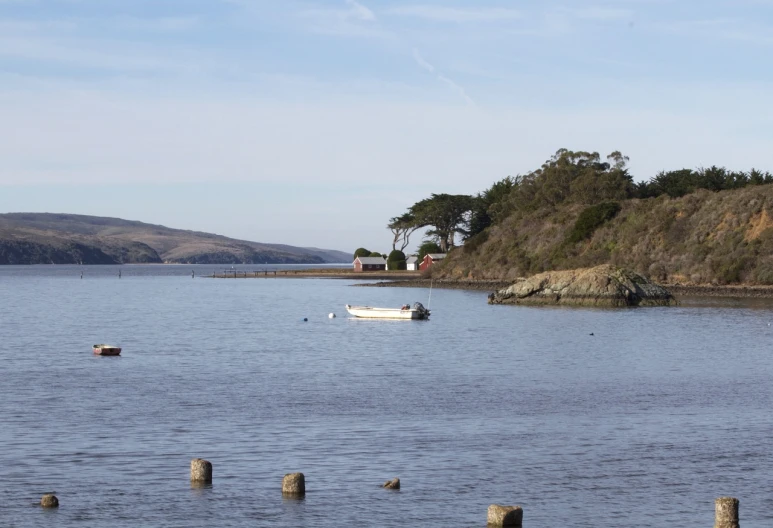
(697, 226)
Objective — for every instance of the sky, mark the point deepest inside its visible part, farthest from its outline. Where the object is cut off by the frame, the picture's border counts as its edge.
(313, 122)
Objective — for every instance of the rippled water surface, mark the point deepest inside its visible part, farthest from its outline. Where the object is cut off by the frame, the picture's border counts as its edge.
(643, 423)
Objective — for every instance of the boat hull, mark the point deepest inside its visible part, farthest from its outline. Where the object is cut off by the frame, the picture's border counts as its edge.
(369, 312)
(106, 350)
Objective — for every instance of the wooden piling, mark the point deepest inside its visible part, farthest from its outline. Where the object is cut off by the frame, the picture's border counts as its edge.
(294, 484)
(505, 515)
(392, 484)
(49, 500)
(726, 512)
(201, 470)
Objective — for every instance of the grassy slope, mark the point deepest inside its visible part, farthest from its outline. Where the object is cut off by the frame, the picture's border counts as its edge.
(704, 237)
(130, 241)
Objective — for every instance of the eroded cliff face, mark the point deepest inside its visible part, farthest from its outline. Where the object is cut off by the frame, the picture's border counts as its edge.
(604, 285)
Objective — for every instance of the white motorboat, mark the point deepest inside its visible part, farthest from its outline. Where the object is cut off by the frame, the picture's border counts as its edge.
(404, 312)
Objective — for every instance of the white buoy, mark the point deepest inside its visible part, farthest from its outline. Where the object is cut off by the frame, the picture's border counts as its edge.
(331, 315)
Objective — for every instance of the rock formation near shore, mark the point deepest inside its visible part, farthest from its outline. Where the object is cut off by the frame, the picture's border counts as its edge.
(603, 285)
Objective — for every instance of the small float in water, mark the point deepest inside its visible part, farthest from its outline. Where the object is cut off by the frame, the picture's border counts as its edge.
(107, 350)
(404, 312)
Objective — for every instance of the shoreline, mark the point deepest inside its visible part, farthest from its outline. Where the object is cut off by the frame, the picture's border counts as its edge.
(414, 279)
(678, 290)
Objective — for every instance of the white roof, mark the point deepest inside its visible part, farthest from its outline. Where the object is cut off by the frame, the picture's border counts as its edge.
(436, 256)
(412, 259)
(371, 260)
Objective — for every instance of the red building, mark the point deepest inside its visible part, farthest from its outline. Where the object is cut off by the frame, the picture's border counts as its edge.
(369, 264)
(430, 259)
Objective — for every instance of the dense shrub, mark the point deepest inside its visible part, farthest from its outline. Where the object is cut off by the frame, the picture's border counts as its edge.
(393, 265)
(361, 252)
(472, 244)
(590, 219)
(396, 260)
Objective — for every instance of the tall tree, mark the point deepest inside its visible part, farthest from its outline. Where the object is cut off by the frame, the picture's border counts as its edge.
(428, 246)
(448, 214)
(483, 213)
(568, 176)
(402, 228)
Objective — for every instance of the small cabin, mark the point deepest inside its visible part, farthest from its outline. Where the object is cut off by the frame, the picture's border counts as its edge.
(412, 263)
(370, 264)
(430, 259)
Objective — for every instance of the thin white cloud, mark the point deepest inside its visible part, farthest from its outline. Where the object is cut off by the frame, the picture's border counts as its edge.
(360, 12)
(431, 69)
(421, 62)
(163, 24)
(723, 29)
(350, 20)
(454, 14)
(601, 13)
(355, 11)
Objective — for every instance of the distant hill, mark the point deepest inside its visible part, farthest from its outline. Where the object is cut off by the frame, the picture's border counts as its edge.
(47, 238)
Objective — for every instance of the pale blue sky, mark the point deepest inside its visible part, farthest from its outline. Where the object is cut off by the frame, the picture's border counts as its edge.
(313, 122)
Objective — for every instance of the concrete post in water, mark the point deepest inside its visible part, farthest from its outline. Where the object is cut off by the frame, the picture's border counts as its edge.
(201, 470)
(294, 484)
(49, 500)
(726, 512)
(505, 515)
(392, 484)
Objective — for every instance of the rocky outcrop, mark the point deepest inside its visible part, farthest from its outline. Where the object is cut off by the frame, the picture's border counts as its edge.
(604, 285)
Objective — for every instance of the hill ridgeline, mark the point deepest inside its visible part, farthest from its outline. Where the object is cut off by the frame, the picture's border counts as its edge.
(46, 238)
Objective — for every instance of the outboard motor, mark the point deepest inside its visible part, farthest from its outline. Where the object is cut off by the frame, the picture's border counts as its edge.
(420, 308)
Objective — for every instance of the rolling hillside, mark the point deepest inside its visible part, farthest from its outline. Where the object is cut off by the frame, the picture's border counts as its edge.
(704, 237)
(46, 238)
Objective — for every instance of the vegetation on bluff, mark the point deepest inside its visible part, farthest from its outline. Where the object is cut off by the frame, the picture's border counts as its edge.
(701, 226)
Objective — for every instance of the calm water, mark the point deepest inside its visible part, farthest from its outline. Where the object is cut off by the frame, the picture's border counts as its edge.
(644, 423)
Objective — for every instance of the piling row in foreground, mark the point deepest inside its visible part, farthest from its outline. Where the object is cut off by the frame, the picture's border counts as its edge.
(294, 485)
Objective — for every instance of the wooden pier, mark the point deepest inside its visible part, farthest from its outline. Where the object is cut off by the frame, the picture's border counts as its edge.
(244, 274)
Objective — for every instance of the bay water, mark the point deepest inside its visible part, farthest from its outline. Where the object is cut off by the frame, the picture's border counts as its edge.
(584, 417)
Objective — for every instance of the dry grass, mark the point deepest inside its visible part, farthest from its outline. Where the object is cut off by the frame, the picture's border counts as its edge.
(701, 238)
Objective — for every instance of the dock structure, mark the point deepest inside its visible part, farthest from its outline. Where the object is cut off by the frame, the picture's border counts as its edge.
(243, 274)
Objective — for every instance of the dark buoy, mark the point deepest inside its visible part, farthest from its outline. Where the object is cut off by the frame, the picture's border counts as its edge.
(305, 319)
(591, 333)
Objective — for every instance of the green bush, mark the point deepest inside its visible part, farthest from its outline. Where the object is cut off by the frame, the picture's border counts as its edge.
(396, 265)
(396, 260)
(361, 252)
(591, 219)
